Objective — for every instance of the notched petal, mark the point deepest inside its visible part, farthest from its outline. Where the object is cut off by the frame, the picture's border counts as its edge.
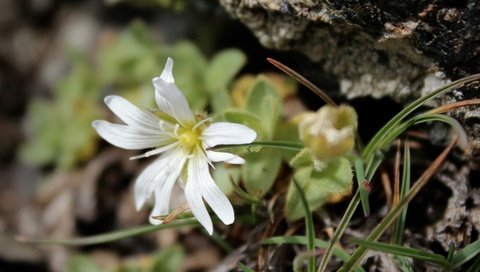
(132, 115)
(196, 205)
(129, 137)
(169, 98)
(215, 156)
(167, 73)
(222, 133)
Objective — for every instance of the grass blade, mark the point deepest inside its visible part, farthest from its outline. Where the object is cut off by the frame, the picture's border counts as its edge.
(466, 254)
(384, 131)
(309, 228)
(339, 231)
(395, 212)
(405, 187)
(245, 268)
(360, 174)
(112, 236)
(302, 240)
(271, 144)
(476, 264)
(417, 254)
(289, 71)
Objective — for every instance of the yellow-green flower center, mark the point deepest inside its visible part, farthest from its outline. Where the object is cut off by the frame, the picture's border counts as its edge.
(189, 138)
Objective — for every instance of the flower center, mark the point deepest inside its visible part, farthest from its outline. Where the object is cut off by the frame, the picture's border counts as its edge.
(189, 138)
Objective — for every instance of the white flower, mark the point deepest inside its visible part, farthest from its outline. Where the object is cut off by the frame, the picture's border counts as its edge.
(183, 142)
(330, 132)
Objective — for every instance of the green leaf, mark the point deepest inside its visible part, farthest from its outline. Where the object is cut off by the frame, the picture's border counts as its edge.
(245, 118)
(222, 69)
(264, 102)
(334, 178)
(223, 176)
(261, 170)
(302, 159)
(220, 101)
(288, 132)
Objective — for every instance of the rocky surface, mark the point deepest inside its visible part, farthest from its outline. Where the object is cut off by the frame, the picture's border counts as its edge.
(399, 49)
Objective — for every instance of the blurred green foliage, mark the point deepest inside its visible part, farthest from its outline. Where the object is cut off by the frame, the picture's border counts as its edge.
(82, 263)
(166, 260)
(61, 132)
(61, 128)
(126, 63)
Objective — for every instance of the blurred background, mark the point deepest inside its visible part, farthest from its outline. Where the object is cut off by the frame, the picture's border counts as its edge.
(58, 59)
(58, 179)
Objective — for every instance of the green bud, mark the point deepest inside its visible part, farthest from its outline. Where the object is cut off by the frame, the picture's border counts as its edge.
(330, 132)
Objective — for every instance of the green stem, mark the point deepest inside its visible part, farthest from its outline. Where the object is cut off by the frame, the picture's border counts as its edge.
(271, 144)
(112, 236)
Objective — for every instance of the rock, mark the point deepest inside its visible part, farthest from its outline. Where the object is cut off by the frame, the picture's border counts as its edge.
(400, 49)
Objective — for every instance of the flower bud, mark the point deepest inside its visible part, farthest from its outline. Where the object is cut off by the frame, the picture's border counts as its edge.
(330, 132)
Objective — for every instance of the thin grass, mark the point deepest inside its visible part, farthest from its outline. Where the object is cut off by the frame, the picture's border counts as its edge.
(309, 228)
(396, 211)
(111, 236)
(405, 187)
(398, 250)
(270, 144)
(360, 174)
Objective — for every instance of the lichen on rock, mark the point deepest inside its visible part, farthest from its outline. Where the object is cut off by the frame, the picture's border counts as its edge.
(399, 49)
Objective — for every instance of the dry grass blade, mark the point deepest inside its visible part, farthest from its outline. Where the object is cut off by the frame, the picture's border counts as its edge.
(303, 80)
(452, 106)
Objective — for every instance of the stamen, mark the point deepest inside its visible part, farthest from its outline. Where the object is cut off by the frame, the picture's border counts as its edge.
(201, 122)
(155, 151)
(175, 130)
(161, 125)
(204, 156)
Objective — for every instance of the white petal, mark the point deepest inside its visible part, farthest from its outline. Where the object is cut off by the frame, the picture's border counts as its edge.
(170, 99)
(160, 177)
(195, 202)
(156, 211)
(147, 176)
(157, 151)
(130, 137)
(216, 199)
(132, 115)
(171, 173)
(215, 156)
(167, 74)
(227, 133)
